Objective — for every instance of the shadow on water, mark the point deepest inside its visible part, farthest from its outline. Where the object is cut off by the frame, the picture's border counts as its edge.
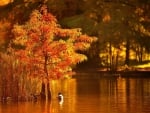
(91, 95)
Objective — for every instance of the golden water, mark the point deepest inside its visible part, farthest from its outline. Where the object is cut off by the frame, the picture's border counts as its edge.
(103, 95)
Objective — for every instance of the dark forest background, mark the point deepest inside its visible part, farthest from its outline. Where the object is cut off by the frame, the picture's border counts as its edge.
(122, 27)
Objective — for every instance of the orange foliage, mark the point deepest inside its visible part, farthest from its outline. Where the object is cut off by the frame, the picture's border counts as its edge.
(49, 51)
(106, 18)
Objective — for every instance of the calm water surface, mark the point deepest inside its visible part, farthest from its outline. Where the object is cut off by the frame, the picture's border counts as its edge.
(103, 95)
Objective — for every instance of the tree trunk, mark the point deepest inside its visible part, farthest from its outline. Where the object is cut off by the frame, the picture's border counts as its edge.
(4, 88)
(15, 89)
(141, 55)
(127, 52)
(48, 91)
(116, 66)
(110, 56)
(43, 95)
(45, 91)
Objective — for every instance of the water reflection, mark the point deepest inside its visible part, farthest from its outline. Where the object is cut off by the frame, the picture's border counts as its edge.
(103, 95)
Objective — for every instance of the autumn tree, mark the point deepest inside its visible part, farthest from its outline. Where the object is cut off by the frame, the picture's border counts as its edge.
(48, 51)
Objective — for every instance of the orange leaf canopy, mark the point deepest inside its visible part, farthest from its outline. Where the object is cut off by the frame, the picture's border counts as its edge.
(47, 47)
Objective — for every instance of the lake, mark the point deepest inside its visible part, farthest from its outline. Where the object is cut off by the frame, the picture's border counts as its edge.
(91, 95)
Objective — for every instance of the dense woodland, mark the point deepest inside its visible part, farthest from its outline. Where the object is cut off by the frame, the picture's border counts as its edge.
(28, 57)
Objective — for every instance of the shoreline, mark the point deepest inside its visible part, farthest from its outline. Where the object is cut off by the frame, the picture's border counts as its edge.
(94, 73)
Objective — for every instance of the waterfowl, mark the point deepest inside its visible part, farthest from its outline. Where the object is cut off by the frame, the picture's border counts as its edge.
(60, 97)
